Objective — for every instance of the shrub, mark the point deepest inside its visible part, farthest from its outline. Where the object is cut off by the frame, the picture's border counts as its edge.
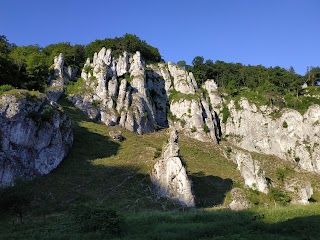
(225, 113)
(47, 114)
(284, 124)
(87, 68)
(205, 128)
(193, 129)
(279, 196)
(16, 199)
(92, 219)
(182, 122)
(280, 174)
(5, 88)
(157, 153)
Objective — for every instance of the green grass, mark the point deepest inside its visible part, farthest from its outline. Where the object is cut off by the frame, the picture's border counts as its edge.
(295, 222)
(175, 96)
(115, 175)
(21, 93)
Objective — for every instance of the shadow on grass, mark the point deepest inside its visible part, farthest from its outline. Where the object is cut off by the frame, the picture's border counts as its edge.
(89, 174)
(177, 225)
(210, 191)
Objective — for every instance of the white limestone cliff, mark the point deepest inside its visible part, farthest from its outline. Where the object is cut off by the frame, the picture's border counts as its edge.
(291, 136)
(124, 91)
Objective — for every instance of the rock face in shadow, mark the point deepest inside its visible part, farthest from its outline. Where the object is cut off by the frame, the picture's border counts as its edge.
(169, 175)
(35, 135)
(143, 98)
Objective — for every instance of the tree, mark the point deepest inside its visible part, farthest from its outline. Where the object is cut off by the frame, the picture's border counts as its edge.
(5, 46)
(129, 42)
(197, 61)
(182, 64)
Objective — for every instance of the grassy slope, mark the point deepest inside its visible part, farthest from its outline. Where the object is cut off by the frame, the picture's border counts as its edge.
(102, 172)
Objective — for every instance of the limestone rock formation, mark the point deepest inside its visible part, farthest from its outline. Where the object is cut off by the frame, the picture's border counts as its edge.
(301, 191)
(253, 175)
(142, 98)
(214, 97)
(35, 135)
(62, 75)
(239, 200)
(292, 136)
(169, 175)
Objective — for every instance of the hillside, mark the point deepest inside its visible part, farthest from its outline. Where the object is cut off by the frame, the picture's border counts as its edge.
(159, 150)
(110, 174)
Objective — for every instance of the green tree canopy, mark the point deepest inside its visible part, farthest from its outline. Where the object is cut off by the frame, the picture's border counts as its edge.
(129, 42)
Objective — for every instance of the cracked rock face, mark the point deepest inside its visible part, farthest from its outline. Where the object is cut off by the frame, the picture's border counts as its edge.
(169, 175)
(35, 135)
(62, 75)
(253, 175)
(301, 191)
(292, 136)
(125, 91)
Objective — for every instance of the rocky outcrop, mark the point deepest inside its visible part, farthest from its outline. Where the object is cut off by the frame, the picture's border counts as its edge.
(253, 175)
(301, 191)
(61, 76)
(169, 175)
(239, 200)
(142, 98)
(291, 136)
(35, 135)
(214, 97)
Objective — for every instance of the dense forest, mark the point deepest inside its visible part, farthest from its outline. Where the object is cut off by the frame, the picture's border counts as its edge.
(29, 67)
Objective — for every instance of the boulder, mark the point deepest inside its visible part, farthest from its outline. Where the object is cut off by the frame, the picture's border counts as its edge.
(35, 135)
(239, 200)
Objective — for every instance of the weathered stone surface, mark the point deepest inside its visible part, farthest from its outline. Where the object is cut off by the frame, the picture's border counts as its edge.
(301, 190)
(136, 96)
(239, 200)
(35, 135)
(169, 175)
(253, 175)
(292, 136)
(62, 75)
(214, 97)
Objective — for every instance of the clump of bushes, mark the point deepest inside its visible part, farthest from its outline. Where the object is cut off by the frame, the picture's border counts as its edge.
(4, 88)
(15, 200)
(92, 219)
(279, 196)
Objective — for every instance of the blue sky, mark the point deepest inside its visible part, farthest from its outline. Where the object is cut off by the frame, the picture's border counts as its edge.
(274, 32)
